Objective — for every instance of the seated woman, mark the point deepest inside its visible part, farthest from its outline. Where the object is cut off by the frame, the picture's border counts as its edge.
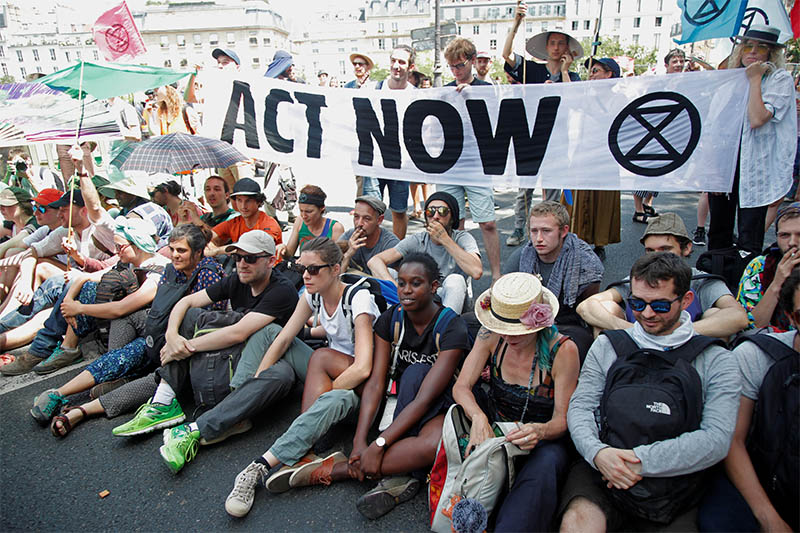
(533, 373)
(422, 368)
(169, 196)
(331, 375)
(311, 223)
(17, 211)
(127, 346)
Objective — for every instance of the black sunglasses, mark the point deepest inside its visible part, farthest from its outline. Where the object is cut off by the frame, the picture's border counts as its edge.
(249, 259)
(312, 269)
(442, 209)
(658, 306)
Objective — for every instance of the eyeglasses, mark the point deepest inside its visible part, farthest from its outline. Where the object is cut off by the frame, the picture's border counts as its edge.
(759, 47)
(359, 64)
(249, 259)
(459, 66)
(39, 208)
(443, 211)
(312, 270)
(597, 70)
(658, 306)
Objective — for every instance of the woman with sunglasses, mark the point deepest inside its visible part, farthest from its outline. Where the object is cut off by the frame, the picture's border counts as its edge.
(126, 357)
(311, 223)
(331, 375)
(533, 371)
(769, 141)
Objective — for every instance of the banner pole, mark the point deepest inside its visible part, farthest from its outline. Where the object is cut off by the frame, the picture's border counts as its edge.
(77, 138)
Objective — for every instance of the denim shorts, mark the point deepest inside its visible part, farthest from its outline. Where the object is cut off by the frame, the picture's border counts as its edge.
(481, 201)
(398, 192)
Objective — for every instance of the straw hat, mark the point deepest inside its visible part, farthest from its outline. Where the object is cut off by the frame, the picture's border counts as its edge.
(500, 308)
(125, 182)
(537, 45)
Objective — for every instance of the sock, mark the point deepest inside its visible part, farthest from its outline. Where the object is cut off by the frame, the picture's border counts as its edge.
(260, 460)
(194, 427)
(164, 394)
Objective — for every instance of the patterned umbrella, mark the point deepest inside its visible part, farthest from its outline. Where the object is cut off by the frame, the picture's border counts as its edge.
(177, 152)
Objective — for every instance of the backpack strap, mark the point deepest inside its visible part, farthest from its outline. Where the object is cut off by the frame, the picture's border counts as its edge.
(708, 276)
(620, 341)
(326, 228)
(690, 350)
(315, 305)
(439, 327)
(399, 328)
(771, 346)
(347, 304)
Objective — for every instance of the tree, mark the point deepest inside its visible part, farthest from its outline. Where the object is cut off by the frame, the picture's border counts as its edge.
(7, 79)
(643, 57)
(793, 51)
(378, 74)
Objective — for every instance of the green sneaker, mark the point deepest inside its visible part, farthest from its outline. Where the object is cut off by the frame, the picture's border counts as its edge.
(150, 417)
(180, 447)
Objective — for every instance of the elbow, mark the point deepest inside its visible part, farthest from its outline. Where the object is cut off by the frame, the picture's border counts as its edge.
(739, 320)
(476, 271)
(582, 309)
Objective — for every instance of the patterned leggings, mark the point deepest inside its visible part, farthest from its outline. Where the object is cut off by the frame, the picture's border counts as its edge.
(126, 346)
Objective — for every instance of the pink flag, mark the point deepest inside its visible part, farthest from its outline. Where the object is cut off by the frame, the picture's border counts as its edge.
(116, 35)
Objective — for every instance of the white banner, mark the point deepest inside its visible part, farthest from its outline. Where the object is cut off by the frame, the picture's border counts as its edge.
(662, 133)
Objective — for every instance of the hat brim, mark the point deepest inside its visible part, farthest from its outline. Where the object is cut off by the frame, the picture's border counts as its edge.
(537, 45)
(495, 325)
(278, 67)
(370, 63)
(245, 248)
(111, 189)
(244, 193)
(7, 202)
(739, 39)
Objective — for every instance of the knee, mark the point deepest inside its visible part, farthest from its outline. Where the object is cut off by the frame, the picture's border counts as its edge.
(488, 227)
(454, 282)
(320, 357)
(338, 399)
(265, 336)
(582, 515)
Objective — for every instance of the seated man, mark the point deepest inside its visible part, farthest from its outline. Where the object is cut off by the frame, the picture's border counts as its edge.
(46, 217)
(764, 276)
(644, 465)
(217, 195)
(367, 238)
(714, 310)
(263, 300)
(455, 251)
(249, 199)
(760, 491)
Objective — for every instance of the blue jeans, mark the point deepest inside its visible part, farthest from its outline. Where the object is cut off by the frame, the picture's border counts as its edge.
(43, 298)
(723, 508)
(55, 327)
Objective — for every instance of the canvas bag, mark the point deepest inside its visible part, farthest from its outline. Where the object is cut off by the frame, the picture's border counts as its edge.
(487, 471)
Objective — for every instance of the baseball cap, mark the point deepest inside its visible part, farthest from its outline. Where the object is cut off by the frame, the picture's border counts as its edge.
(280, 62)
(8, 198)
(666, 224)
(253, 242)
(77, 199)
(47, 197)
(483, 55)
(225, 52)
(246, 186)
(607, 62)
(375, 203)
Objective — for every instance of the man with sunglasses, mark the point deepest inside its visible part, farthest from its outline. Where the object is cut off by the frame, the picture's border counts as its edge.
(46, 217)
(454, 250)
(362, 65)
(714, 310)
(263, 300)
(595, 496)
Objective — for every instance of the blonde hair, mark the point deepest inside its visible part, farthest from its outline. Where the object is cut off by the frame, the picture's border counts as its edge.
(776, 56)
(172, 104)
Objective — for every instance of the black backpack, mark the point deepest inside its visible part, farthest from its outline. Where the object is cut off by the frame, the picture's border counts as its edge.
(729, 263)
(373, 285)
(774, 439)
(649, 396)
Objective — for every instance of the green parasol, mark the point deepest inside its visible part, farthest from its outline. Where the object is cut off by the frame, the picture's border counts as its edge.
(105, 81)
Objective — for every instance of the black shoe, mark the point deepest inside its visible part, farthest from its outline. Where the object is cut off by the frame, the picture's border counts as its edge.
(699, 238)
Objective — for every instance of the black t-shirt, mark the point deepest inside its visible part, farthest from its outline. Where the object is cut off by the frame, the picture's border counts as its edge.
(475, 81)
(416, 348)
(535, 72)
(279, 298)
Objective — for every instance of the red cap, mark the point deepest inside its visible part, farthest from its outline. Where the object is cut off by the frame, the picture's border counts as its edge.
(47, 196)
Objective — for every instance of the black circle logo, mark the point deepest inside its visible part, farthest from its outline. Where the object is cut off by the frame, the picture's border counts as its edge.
(708, 11)
(671, 127)
(749, 18)
(117, 38)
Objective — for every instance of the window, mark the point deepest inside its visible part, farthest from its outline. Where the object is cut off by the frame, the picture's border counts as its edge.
(529, 27)
(77, 54)
(587, 24)
(3, 52)
(253, 41)
(658, 21)
(380, 27)
(267, 41)
(657, 40)
(394, 42)
(394, 27)
(544, 25)
(231, 37)
(617, 23)
(476, 30)
(198, 39)
(493, 44)
(458, 30)
(637, 22)
(476, 13)
(341, 48)
(457, 13)
(180, 40)
(184, 62)
(66, 53)
(315, 50)
(638, 5)
(342, 67)
(23, 71)
(560, 10)
(381, 44)
(96, 55)
(256, 61)
(661, 5)
(5, 69)
(164, 41)
(35, 55)
(52, 54)
(39, 70)
(493, 28)
(635, 38)
(168, 63)
(577, 4)
(574, 25)
(213, 39)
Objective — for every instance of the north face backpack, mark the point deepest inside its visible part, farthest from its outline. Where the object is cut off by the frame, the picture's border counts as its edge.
(211, 372)
(729, 263)
(649, 396)
(774, 439)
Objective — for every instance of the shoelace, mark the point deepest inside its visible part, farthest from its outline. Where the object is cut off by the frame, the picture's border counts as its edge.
(249, 479)
(58, 351)
(193, 445)
(322, 474)
(56, 400)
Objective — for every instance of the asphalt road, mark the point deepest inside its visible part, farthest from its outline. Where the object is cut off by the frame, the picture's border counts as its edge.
(53, 484)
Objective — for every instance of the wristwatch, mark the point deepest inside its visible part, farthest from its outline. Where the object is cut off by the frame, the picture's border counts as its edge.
(380, 442)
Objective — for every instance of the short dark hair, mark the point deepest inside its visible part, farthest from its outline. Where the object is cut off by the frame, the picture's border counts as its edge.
(674, 52)
(327, 249)
(428, 264)
(195, 237)
(786, 296)
(225, 186)
(171, 187)
(412, 54)
(663, 266)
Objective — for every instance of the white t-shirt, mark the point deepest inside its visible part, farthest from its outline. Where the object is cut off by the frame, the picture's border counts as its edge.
(337, 327)
(157, 260)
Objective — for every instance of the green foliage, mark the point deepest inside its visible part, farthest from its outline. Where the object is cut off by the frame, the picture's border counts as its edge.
(7, 79)
(378, 74)
(644, 58)
(497, 71)
(793, 51)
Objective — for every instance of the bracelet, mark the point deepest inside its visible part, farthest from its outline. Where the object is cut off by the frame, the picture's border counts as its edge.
(84, 175)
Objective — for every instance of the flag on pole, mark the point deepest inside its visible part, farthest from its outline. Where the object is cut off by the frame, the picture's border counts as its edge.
(710, 19)
(769, 12)
(116, 35)
(795, 18)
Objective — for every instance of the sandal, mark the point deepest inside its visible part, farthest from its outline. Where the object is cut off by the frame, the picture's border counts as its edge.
(640, 217)
(7, 358)
(66, 427)
(649, 211)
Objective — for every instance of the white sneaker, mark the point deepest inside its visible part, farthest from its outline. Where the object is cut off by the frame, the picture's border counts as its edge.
(240, 500)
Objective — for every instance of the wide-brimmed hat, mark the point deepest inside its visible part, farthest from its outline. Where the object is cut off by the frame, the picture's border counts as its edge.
(370, 62)
(280, 62)
(537, 45)
(517, 304)
(122, 182)
(761, 33)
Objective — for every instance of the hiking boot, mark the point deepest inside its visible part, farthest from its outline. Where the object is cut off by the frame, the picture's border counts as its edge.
(278, 482)
(240, 500)
(242, 426)
(106, 387)
(47, 405)
(389, 492)
(699, 238)
(22, 365)
(316, 472)
(150, 417)
(60, 358)
(180, 447)
(516, 238)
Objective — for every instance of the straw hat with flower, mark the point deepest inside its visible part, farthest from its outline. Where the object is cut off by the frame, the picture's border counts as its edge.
(517, 304)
